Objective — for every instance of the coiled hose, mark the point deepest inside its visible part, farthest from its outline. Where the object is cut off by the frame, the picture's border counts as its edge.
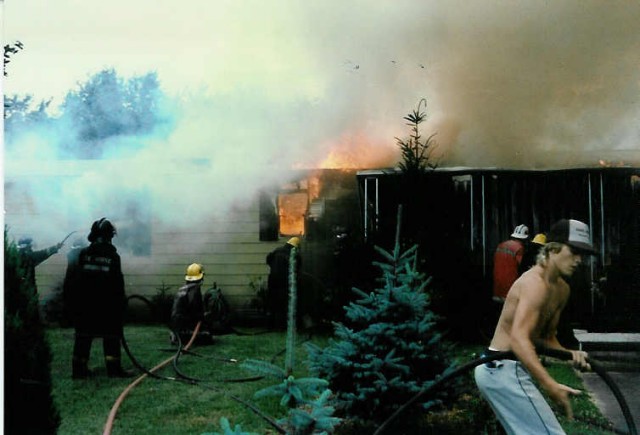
(554, 353)
(182, 378)
(114, 409)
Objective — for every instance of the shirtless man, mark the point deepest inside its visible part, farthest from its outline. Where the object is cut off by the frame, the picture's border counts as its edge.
(530, 317)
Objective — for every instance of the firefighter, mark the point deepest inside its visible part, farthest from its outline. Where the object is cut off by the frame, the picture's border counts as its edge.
(31, 259)
(278, 281)
(507, 262)
(187, 309)
(94, 292)
(532, 250)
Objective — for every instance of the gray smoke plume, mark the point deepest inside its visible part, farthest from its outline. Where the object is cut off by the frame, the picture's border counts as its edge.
(524, 84)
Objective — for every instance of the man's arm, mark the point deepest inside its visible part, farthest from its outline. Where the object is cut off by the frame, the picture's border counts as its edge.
(40, 256)
(578, 357)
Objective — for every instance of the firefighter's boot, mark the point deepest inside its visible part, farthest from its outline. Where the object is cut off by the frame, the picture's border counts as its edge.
(115, 370)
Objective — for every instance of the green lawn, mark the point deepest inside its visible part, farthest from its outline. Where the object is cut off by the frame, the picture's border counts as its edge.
(164, 406)
(172, 407)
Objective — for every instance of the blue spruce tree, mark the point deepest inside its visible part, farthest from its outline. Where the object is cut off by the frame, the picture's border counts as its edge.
(389, 346)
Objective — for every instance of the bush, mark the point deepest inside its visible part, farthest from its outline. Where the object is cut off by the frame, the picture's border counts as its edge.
(29, 406)
(390, 348)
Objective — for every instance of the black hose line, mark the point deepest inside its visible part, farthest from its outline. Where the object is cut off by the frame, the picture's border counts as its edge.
(178, 352)
(555, 353)
(181, 374)
(192, 379)
(137, 363)
(202, 383)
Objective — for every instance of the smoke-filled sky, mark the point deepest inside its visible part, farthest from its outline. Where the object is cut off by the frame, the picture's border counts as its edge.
(264, 86)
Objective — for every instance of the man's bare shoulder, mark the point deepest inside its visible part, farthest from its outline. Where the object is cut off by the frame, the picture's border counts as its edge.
(531, 285)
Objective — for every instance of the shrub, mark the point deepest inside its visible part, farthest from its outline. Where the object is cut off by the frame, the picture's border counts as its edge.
(389, 348)
(29, 406)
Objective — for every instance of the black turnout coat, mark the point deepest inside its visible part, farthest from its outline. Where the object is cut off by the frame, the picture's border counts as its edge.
(94, 290)
(187, 309)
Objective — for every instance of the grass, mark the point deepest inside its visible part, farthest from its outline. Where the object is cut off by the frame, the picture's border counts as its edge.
(163, 406)
(587, 417)
(172, 407)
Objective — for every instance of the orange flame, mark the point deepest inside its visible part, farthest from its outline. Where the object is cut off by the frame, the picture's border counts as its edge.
(356, 151)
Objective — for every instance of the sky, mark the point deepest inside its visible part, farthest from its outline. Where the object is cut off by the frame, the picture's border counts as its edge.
(265, 86)
(497, 75)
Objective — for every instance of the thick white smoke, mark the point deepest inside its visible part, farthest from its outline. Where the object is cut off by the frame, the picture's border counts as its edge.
(258, 88)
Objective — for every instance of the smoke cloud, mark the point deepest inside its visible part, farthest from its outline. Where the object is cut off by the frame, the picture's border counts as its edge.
(520, 84)
(271, 87)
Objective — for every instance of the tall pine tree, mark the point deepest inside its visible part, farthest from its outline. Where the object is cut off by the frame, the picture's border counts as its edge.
(389, 347)
(308, 400)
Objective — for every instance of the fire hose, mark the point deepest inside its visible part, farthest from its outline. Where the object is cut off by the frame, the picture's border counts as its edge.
(554, 353)
(184, 350)
(200, 382)
(114, 409)
(68, 235)
(181, 376)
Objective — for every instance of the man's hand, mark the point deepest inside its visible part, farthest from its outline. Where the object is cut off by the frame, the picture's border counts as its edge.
(560, 393)
(579, 359)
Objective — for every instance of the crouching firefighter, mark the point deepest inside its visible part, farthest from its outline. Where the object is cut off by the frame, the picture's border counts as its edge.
(94, 297)
(187, 309)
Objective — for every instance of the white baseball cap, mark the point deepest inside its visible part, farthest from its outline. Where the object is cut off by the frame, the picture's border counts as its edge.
(573, 233)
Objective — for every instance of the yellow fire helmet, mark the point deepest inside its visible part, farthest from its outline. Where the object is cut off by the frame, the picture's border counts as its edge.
(540, 239)
(195, 272)
(294, 241)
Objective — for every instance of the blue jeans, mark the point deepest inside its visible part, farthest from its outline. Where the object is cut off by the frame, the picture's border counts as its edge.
(515, 399)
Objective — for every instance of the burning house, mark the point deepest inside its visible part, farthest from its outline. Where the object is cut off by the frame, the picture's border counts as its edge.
(231, 244)
(456, 215)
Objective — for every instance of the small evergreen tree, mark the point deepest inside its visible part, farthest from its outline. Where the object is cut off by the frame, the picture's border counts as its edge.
(416, 152)
(29, 406)
(308, 399)
(389, 348)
